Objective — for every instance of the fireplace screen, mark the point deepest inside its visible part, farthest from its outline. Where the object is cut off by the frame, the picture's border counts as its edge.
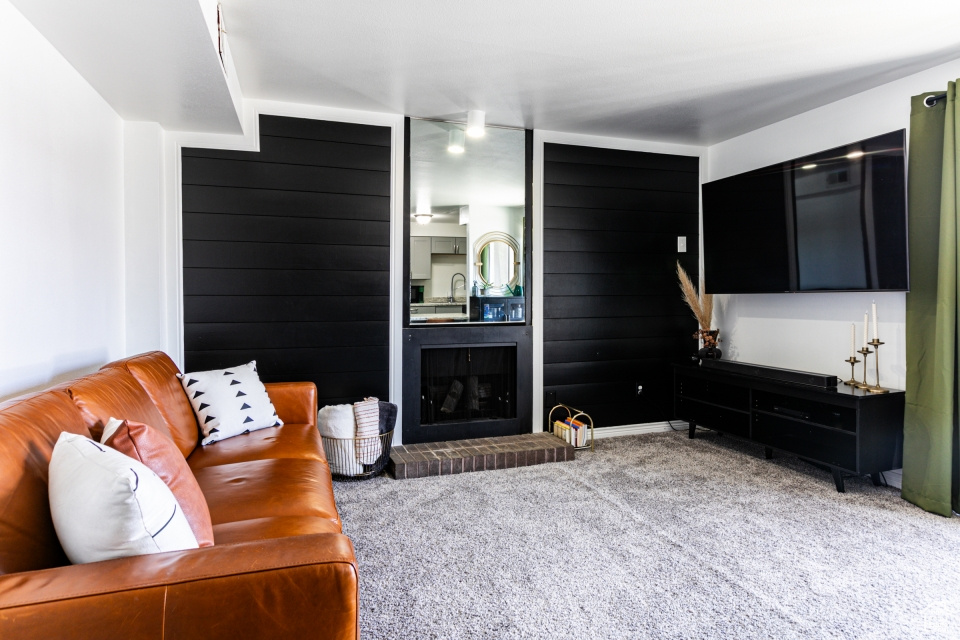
(467, 383)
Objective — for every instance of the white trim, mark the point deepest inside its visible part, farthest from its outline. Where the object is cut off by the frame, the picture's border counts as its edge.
(634, 429)
(250, 141)
(539, 139)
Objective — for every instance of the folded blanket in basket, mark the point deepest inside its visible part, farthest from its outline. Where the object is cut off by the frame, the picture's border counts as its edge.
(367, 413)
(338, 421)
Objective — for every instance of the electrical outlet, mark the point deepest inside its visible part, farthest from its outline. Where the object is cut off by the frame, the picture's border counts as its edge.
(550, 400)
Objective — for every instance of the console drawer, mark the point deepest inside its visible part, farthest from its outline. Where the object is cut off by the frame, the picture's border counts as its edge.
(806, 440)
(720, 418)
(721, 393)
(828, 415)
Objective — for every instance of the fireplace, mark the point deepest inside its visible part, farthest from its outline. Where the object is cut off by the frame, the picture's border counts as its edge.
(462, 383)
(467, 383)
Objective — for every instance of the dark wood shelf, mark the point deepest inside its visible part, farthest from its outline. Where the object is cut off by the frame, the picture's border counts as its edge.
(849, 430)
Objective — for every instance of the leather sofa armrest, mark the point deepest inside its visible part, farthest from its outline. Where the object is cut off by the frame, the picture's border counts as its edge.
(295, 402)
(300, 586)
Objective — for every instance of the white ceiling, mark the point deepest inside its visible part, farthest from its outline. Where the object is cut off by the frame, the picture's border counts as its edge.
(153, 60)
(694, 71)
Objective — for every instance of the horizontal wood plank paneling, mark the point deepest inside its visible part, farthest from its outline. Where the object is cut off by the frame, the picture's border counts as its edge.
(621, 158)
(225, 336)
(316, 153)
(285, 230)
(614, 219)
(286, 282)
(274, 308)
(265, 255)
(286, 256)
(611, 198)
(613, 316)
(621, 177)
(286, 204)
(358, 134)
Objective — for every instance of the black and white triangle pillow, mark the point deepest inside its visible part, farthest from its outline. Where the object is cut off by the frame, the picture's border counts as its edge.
(229, 402)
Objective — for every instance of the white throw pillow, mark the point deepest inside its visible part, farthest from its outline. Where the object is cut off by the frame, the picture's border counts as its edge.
(107, 505)
(229, 402)
(338, 421)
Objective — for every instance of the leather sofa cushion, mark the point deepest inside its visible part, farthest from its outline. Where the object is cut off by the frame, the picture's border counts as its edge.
(157, 374)
(113, 393)
(268, 488)
(29, 429)
(159, 454)
(289, 441)
(270, 528)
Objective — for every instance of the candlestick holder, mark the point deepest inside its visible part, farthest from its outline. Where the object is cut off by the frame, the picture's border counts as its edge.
(864, 352)
(852, 382)
(876, 388)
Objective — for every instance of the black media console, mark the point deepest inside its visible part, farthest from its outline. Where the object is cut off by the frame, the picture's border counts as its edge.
(849, 430)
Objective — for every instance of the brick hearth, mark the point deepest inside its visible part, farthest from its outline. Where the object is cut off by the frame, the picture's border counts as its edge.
(479, 454)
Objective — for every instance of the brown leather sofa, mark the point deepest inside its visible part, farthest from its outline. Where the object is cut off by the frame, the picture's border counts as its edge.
(280, 566)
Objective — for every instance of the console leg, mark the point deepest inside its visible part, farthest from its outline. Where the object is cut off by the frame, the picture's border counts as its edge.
(837, 479)
(876, 479)
(693, 429)
(767, 453)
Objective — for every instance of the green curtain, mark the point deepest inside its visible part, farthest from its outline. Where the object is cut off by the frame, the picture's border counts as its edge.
(931, 473)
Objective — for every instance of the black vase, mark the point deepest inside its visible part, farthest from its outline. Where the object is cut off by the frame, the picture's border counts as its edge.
(709, 353)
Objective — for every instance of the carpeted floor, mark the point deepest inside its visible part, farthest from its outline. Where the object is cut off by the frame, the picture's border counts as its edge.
(652, 536)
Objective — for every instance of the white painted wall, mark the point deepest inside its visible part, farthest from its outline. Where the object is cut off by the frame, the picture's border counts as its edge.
(61, 216)
(811, 331)
(143, 237)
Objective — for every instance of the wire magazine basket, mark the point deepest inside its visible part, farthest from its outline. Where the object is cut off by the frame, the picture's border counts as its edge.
(357, 458)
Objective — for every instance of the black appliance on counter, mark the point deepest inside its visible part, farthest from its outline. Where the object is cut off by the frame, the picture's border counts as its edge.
(416, 293)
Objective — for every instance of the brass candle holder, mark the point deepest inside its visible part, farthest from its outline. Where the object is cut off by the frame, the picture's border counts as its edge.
(875, 388)
(852, 382)
(863, 385)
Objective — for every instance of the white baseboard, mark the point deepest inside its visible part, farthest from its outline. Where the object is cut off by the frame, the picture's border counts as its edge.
(634, 429)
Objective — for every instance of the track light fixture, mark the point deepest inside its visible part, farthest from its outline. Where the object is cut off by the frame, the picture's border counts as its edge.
(475, 123)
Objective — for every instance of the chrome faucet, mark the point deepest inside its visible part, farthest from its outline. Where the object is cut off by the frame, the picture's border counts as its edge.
(453, 296)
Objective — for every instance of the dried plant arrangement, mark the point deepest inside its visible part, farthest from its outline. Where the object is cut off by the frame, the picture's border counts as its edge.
(701, 304)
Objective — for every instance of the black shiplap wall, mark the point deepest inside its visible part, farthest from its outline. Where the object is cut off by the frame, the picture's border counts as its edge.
(612, 309)
(286, 256)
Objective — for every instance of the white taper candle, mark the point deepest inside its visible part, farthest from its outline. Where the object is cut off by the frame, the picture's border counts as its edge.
(874, 307)
(866, 327)
(853, 339)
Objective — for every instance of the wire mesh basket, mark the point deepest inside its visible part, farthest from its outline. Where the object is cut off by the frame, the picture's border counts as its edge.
(357, 458)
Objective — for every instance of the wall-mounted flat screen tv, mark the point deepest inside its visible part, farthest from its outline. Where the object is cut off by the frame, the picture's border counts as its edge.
(831, 221)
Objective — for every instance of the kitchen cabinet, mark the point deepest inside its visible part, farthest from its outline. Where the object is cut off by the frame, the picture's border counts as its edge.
(420, 250)
(455, 246)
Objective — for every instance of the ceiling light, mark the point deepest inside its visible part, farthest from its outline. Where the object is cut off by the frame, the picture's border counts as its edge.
(812, 165)
(423, 218)
(475, 124)
(853, 155)
(456, 142)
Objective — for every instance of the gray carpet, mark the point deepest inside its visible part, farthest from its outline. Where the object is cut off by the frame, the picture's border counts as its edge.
(652, 536)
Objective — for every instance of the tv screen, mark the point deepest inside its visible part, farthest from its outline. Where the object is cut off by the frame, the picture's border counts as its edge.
(831, 221)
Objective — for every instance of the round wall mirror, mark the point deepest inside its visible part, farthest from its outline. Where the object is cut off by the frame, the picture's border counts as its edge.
(498, 260)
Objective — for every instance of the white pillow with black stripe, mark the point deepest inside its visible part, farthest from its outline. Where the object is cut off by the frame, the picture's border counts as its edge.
(107, 505)
(229, 402)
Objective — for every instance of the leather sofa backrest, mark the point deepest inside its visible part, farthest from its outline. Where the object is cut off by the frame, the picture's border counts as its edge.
(29, 427)
(114, 393)
(157, 374)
